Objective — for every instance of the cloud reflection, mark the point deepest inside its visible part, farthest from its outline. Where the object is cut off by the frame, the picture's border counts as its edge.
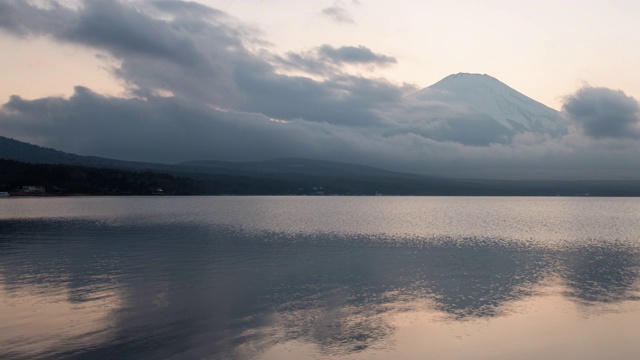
(191, 291)
(601, 273)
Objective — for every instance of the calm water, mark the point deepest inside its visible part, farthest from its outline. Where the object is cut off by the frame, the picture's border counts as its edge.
(319, 278)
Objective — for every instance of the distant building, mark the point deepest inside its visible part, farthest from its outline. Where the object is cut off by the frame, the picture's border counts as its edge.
(59, 190)
(32, 189)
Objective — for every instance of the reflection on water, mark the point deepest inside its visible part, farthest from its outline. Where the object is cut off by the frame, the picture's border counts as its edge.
(244, 278)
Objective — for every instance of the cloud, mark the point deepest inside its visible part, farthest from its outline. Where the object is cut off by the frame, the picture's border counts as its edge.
(604, 113)
(172, 129)
(183, 49)
(225, 96)
(23, 19)
(338, 14)
(346, 100)
(166, 129)
(186, 8)
(8, 19)
(354, 55)
(328, 61)
(114, 26)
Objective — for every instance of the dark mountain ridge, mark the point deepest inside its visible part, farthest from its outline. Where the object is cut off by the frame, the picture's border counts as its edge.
(11, 149)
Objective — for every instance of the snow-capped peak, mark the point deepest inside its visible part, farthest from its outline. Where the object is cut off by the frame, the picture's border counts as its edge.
(485, 96)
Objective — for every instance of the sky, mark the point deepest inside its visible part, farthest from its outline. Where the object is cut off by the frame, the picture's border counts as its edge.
(172, 81)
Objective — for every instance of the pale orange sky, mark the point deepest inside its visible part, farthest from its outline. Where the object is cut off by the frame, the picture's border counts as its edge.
(545, 49)
(40, 67)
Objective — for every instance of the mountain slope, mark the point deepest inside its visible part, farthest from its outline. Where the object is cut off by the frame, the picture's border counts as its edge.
(11, 149)
(479, 109)
(279, 176)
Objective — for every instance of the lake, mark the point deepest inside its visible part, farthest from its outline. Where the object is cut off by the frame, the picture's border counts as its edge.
(319, 278)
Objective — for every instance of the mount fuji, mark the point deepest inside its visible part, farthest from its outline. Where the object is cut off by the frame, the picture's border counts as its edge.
(477, 109)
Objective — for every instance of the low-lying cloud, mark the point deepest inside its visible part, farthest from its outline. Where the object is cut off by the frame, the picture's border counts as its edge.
(170, 129)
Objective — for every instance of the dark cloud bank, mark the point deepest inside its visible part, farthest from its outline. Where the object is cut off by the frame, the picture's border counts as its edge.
(231, 98)
(604, 113)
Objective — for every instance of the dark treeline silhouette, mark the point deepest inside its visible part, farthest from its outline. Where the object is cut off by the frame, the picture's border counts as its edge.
(69, 179)
(80, 179)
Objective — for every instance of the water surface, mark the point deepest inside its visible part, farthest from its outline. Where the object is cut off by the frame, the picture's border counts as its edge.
(319, 277)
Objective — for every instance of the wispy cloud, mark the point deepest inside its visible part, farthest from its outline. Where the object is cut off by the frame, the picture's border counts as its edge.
(327, 60)
(339, 14)
(354, 55)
